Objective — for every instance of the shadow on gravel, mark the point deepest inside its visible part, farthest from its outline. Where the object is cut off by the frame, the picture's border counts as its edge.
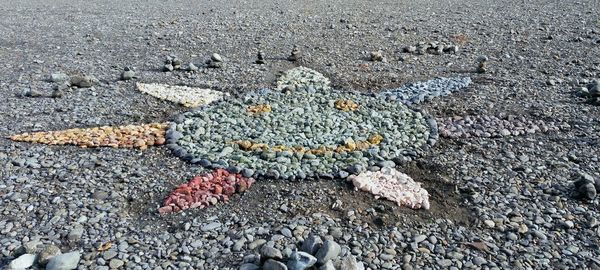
(276, 201)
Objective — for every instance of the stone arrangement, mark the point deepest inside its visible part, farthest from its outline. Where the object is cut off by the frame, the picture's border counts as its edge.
(130, 136)
(302, 77)
(303, 134)
(313, 253)
(419, 92)
(394, 186)
(591, 92)
(430, 48)
(184, 95)
(490, 126)
(205, 190)
(586, 187)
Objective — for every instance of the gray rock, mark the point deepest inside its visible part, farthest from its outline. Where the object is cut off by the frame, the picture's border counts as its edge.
(349, 263)
(127, 74)
(116, 263)
(59, 78)
(75, 234)
(65, 261)
(271, 264)
(312, 244)
(211, 226)
(249, 266)
(327, 266)
(299, 260)
(328, 251)
(48, 253)
(267, 252)
(216, 57)
(168, 68)
(83, 81)
(22, 262)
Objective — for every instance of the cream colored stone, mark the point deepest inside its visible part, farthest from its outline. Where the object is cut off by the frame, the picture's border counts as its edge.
(184, 95)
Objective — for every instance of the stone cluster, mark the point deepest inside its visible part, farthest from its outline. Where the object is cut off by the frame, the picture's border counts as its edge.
(314, 253)
(304, 135)
(172, 62)
(394, 186)
(586, 187)
(431, 48)
(592, 92)
(490, 126)
(302, 77)
(130, 136)
(184, 95)
(346, 105)
(205, 190)
(418, 92)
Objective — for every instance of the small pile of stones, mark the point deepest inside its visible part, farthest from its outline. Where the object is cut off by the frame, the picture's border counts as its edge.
(215, 61)
(482, 64)
(431, 48)
(130, 136)
(260, 58)
(377, 56)
(314, 253)
(49, 257)
(586, 188)
(184, 95)
(592, 92)
(205, 190)
(127, 74)
(295, 55)
(394, 186)
(64, 81)
(490, 126)
(419, 92)
(172, 63)
(304, 78)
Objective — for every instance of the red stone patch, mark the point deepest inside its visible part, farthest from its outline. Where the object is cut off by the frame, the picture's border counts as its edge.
(205, 190)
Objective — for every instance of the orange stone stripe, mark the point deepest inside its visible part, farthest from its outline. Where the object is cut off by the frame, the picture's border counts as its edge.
(130, 136)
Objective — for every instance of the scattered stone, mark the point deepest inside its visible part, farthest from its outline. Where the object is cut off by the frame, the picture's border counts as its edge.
(249, 266)
(260, 58)
(65, 261)
(299, 260)
(83, 81)
(48, 253)
(116, 263)
(482, 64)
(127, 74)
(394, 186)
(586, 187)
(295, 55)
(267, 252)
(192, 67)
(377, 56)
(312, 244)
(328, 251)
(33, 93)
(271, 264)
(60, 78)
(22, 262)
(215, 61)
(349, 263)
